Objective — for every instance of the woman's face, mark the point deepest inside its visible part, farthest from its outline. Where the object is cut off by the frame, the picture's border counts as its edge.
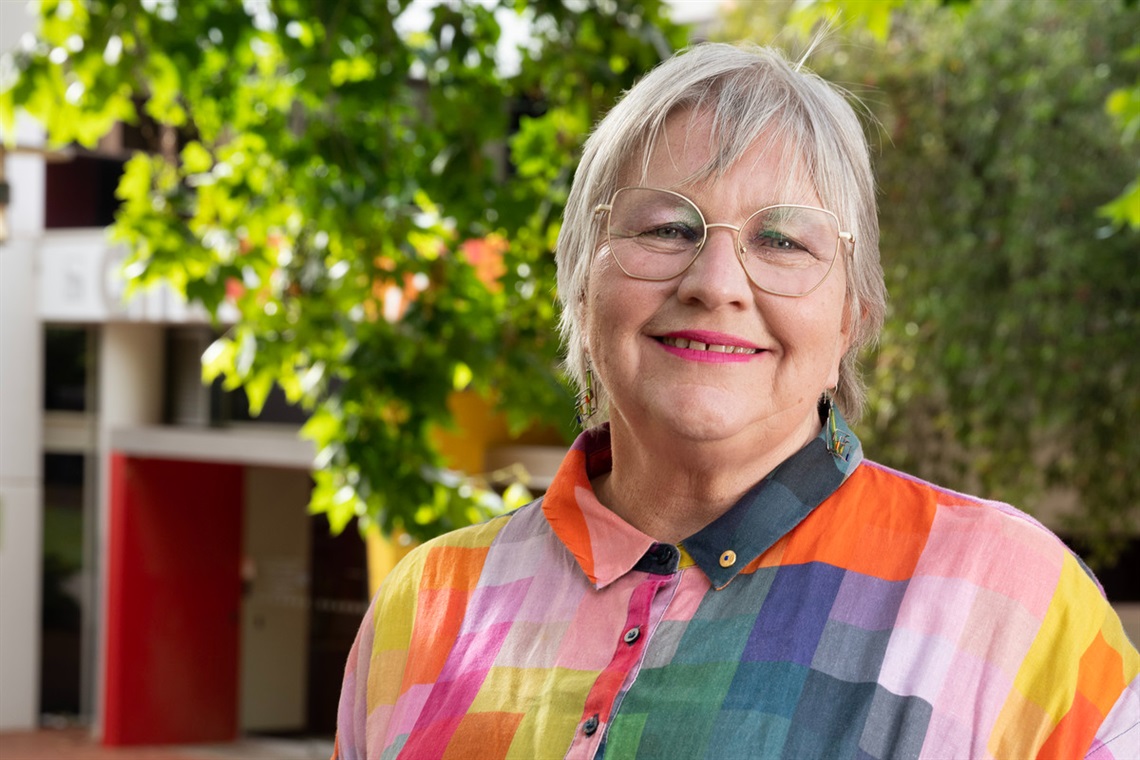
(637, 330)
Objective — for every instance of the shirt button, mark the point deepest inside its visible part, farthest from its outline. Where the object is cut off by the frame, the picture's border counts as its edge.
(590, 726)
(631, 635)
(728, 558)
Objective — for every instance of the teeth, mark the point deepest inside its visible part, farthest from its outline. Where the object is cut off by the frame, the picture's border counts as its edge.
(696, 345)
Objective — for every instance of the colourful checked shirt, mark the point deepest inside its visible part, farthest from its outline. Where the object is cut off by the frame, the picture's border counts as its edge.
(839, 609)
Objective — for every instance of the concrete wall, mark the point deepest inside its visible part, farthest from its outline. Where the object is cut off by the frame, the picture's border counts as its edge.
(21, 418)
(21, 512)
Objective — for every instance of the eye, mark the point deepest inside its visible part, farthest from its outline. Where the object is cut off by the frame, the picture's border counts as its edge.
(673, 231)
(774, 240)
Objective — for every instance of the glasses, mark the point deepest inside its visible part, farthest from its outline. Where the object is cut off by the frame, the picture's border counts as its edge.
(786, 250)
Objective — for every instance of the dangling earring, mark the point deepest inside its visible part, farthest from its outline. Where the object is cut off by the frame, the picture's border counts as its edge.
(587, 405)
(837, 440)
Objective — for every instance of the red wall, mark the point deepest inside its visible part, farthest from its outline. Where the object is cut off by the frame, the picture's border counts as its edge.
(174, 602)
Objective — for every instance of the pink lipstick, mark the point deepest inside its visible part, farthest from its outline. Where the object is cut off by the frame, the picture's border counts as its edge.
(710, 347)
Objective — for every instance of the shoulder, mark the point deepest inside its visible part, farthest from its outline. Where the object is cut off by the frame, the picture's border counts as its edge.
(989, 570)
(890, 525)
(955, 546)
(457, 554)
(997, 598)
(961, 524)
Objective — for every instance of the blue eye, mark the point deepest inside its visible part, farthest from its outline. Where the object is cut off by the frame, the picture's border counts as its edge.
(675, 231)
(775, 241)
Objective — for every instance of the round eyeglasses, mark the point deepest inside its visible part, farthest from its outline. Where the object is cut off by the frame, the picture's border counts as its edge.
(786, 250)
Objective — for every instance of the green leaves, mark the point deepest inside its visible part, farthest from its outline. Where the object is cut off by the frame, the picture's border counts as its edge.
(872, 15)
(355, 194)
(1125, 208)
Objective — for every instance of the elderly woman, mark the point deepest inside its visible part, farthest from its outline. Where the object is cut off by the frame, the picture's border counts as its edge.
(716, 571)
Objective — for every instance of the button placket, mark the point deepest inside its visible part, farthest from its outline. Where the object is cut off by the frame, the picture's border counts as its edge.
(604, 697)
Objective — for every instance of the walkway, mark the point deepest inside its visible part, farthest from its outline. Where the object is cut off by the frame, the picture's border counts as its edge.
(77, 744)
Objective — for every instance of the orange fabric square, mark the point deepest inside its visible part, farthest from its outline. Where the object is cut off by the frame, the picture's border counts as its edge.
(875, 524)
(1101, 675)
(439, 615)
(483, 736)
(1073, 735)
(453, 567)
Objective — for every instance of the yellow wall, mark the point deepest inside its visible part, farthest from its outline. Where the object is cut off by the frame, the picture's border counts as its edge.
(478, 428)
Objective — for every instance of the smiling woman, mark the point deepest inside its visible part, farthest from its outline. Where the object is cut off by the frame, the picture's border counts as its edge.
(658, 345)
(716, 569)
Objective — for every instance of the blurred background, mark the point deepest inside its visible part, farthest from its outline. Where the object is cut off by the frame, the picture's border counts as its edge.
(277, 302)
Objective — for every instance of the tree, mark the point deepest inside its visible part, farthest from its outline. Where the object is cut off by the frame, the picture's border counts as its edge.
(378, 202)
(1007, 362)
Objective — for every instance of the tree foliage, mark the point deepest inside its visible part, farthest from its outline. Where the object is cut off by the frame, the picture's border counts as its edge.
(1008, 360)
(377, 202)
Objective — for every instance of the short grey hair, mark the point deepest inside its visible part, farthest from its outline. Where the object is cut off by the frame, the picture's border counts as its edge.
(748, 91)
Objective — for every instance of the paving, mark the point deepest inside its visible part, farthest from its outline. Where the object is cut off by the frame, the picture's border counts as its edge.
(79, 744)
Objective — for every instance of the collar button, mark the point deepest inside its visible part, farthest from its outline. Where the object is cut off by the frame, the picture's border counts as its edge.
(727, 558)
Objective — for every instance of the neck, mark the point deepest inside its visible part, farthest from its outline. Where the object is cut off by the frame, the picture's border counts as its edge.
(670, 490)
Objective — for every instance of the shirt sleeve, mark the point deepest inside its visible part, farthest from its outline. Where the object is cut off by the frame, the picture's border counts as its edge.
(1075, 693)
(375, 671)
(352, 710)
(1118, 737)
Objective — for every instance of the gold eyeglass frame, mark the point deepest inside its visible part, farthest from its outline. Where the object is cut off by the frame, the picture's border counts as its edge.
(605, 208)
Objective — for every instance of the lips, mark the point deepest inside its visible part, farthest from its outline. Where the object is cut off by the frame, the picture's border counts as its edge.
(705, 346)
(716, 348)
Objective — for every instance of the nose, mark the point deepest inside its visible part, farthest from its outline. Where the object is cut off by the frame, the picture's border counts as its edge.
(717, 277)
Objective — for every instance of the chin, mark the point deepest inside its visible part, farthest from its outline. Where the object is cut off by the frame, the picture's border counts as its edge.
(702, 422)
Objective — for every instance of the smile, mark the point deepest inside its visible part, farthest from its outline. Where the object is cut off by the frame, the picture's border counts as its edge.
(715, 348)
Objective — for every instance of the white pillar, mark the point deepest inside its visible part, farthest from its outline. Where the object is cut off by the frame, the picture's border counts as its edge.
(129, 389)
(21, 501)
(21, 418)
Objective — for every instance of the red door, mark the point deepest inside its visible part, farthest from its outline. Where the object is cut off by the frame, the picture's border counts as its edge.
(173, 602)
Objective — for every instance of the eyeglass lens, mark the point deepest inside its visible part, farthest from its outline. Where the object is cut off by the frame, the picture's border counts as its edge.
(656, 234)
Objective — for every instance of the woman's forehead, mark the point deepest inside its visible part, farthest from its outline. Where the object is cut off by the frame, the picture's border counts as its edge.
(690, 157)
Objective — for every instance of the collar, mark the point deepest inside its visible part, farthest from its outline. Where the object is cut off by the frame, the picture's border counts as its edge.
(606, 547)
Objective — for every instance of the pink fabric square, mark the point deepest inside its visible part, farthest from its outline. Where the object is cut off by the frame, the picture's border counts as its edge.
(408, 709)
(974, 693)
(690, 593)
(933, 605)
(999, 631)
(588, 644)
(556, 591)
(915, 664)
(994, 550)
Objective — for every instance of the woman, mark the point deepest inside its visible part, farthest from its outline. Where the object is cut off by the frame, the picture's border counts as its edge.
(715, 569)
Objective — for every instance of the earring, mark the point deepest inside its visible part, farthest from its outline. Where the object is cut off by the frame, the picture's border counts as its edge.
(587, 405)
(837, 440)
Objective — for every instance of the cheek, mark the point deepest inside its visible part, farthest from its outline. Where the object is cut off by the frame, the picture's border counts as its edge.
(813, 333)
(608, 296)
